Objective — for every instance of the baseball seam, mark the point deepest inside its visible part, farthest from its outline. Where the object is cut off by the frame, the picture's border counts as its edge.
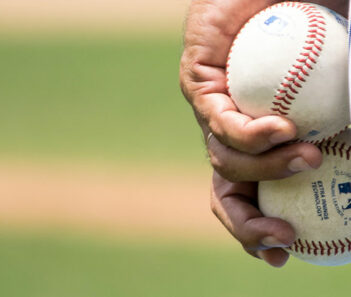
(326, 248)
(286, 95)
(336, 148)
(299, 72)
(333, 247)
(308, 56)
(320, 143)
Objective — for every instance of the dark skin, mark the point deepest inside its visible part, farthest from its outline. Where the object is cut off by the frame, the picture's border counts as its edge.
(243, 150)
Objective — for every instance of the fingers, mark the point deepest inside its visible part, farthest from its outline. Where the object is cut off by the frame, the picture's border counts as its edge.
(208, 39)
(275, 257)
(277, 163)
(205, 88)
(235, 206)
(240, 131)
(246, 223)
(216, 112)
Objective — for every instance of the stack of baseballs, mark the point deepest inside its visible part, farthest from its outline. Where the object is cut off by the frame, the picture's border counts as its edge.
(291, 60)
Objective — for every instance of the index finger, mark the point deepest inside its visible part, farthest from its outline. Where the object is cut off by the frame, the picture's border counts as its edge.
(240, 131)
(216, 111)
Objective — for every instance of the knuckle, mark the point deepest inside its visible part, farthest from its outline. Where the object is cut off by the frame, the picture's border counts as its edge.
(188, 77)
(231, 174)
(253, 252)
(215, 128)
(185, 89)
(249, 144)
(213, 207)
(223, 169)
(218, 163)
(250, 149)
(246, 143)
(221, 133)
(249, 244)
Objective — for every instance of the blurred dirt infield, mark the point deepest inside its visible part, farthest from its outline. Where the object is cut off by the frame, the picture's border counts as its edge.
(148, 200)
(91, 15)
(130, 201)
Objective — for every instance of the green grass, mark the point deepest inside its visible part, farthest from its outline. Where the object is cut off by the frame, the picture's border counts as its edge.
(107, 98)
(119, 99)
(53, 266)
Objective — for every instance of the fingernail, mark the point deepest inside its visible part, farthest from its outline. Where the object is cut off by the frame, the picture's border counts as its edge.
(280, 137)
(298, 164)
(272, 242)
(260, 254)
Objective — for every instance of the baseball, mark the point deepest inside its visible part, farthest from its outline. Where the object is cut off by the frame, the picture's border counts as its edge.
(317, 204)
(291, 60)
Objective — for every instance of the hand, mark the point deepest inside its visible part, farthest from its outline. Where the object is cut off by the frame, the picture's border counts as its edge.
(235, 204)
(240, 152)
(242, 149)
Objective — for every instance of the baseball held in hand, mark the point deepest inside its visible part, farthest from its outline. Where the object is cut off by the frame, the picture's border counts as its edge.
(317, 204)
(291, 60)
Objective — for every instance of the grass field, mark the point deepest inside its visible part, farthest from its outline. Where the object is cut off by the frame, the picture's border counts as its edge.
(109, 98)
(118, 99)
(39, 265)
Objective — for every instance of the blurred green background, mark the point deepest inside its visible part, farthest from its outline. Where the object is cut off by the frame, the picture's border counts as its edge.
(115, 98)
(103, 178)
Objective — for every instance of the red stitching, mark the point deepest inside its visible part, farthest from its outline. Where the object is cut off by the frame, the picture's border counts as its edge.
(348, 153)
(333, 247)
(281, 4)
(321, 247)
(304, 72)
(315, 248)
(342, 246)
(325, 147)
(341, 148)
(283, 99)
(300, 70)
(280, 112)
(287, 86)
(309, 55)
(281, 105)
(348, 244)
(328, 248)
(309, 66)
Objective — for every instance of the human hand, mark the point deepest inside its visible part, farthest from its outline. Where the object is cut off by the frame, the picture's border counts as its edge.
(241, 149)
(235, 205)
(239, 154)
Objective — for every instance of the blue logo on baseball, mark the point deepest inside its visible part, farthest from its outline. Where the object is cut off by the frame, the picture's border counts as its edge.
(276, 21)
(276, 25)
(345, 188)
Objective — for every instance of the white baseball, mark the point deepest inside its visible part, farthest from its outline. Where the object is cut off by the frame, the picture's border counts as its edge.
(291, 60)
(317, 204)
